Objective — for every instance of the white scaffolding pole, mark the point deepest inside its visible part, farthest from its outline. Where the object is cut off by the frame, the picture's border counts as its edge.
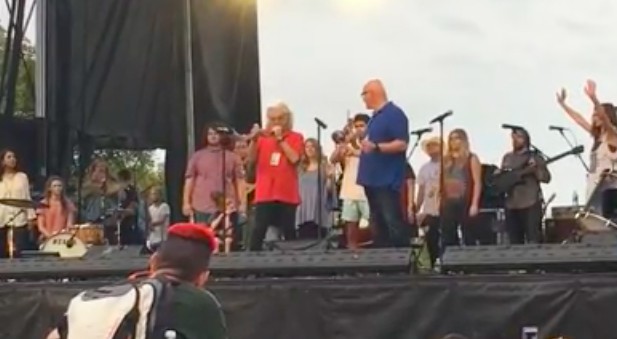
(41, 58)
(188, 78)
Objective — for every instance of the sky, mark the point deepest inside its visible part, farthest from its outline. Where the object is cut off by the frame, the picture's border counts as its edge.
(491, 62)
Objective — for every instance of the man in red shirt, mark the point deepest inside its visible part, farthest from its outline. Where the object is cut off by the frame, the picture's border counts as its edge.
(276, 151)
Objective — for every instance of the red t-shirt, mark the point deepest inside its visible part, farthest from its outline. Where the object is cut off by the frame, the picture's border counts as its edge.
(276, 178)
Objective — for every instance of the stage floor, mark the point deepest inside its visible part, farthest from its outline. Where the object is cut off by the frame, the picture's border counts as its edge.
(388, 307)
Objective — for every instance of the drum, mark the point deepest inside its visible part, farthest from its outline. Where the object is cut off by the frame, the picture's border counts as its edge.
(90, 234)
(59, 243)
(593, 223)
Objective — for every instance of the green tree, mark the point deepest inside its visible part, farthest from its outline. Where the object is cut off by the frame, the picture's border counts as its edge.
(24, 92)
(141, 163)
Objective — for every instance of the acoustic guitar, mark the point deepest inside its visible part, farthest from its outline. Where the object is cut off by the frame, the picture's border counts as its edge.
(504, 181)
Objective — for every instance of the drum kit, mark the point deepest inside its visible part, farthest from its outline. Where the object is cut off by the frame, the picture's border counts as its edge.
(590, 219)
(70, 243)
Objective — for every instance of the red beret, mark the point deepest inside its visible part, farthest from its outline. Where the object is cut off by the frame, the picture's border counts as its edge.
(197, 232)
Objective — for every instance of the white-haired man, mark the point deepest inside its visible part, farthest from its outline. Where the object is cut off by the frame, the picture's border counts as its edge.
(276, 151)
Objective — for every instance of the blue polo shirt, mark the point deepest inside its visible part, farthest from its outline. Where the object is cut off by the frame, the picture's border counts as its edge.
(378, 169)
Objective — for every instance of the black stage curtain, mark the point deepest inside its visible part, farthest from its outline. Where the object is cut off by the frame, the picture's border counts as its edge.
(116, 75)
(116, 68)
(482, 307)
(24, 137)
(225, 63)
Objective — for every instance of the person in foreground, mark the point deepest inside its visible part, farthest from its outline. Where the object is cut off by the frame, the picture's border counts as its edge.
(183, 260)
(382, 166)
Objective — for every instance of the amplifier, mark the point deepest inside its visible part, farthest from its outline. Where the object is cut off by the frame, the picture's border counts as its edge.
(565, 212)
(558, 230)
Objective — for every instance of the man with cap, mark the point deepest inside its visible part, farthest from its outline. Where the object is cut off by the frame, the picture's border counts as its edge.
(524, 200)
(184, 260)
(427, 200)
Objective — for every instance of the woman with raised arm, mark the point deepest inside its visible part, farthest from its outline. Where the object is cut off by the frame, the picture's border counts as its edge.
(603, 130)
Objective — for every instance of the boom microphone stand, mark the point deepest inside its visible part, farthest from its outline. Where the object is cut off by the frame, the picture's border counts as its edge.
(225, 136)
(320, 125)
(418, 133)
(571, 144)
(442, 179)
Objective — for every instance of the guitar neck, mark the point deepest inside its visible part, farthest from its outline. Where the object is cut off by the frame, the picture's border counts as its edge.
(559, 157)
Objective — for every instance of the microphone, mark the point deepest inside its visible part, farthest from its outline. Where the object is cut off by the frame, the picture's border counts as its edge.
(321, 123)
(421, 131)
(71, 242)
(441, 117)
(557, 128)
(512, 127)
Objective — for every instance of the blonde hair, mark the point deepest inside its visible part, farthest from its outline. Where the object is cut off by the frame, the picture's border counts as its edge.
(96, 163)
(287, 113)
(305, 161)
(462, 154)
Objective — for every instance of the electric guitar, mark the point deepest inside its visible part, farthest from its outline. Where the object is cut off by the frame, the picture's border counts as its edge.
(504, 181)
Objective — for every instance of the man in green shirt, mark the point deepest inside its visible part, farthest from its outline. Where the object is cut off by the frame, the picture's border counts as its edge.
(183, 261)
(184, 258)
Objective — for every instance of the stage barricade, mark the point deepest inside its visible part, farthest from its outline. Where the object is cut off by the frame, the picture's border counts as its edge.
(481, 307)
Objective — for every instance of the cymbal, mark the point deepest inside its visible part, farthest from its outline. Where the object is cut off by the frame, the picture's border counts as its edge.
(23, 203)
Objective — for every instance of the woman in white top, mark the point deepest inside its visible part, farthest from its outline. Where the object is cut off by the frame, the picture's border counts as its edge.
(603, 129)
(13, 185)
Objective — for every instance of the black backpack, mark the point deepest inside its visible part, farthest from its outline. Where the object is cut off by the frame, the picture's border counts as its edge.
(135, 310)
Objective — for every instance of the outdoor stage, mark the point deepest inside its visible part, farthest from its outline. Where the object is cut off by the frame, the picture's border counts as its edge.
(410, 307)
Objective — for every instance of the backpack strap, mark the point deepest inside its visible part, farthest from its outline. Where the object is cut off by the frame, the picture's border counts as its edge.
(128, 327)
(63, 328)
(163, 317)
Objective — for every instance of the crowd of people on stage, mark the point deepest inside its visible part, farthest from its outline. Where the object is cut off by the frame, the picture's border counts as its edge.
(272, 183)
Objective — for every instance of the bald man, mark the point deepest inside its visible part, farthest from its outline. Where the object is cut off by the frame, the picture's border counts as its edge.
(382, 166)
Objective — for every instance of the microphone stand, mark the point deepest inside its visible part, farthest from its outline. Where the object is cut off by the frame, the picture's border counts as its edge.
(10, 241)
(442, 179)
(571, 144)
(535, 149)
(225, 141)
(415, 145)
(320, 187)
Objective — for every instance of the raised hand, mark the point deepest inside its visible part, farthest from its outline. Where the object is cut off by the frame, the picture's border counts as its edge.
(590, 88)
(561, 96)
(255, 131)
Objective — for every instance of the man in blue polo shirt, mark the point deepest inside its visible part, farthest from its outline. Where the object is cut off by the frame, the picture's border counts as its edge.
(382, 166)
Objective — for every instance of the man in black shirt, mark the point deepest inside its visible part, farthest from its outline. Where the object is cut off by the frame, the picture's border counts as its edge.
(128, 203)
